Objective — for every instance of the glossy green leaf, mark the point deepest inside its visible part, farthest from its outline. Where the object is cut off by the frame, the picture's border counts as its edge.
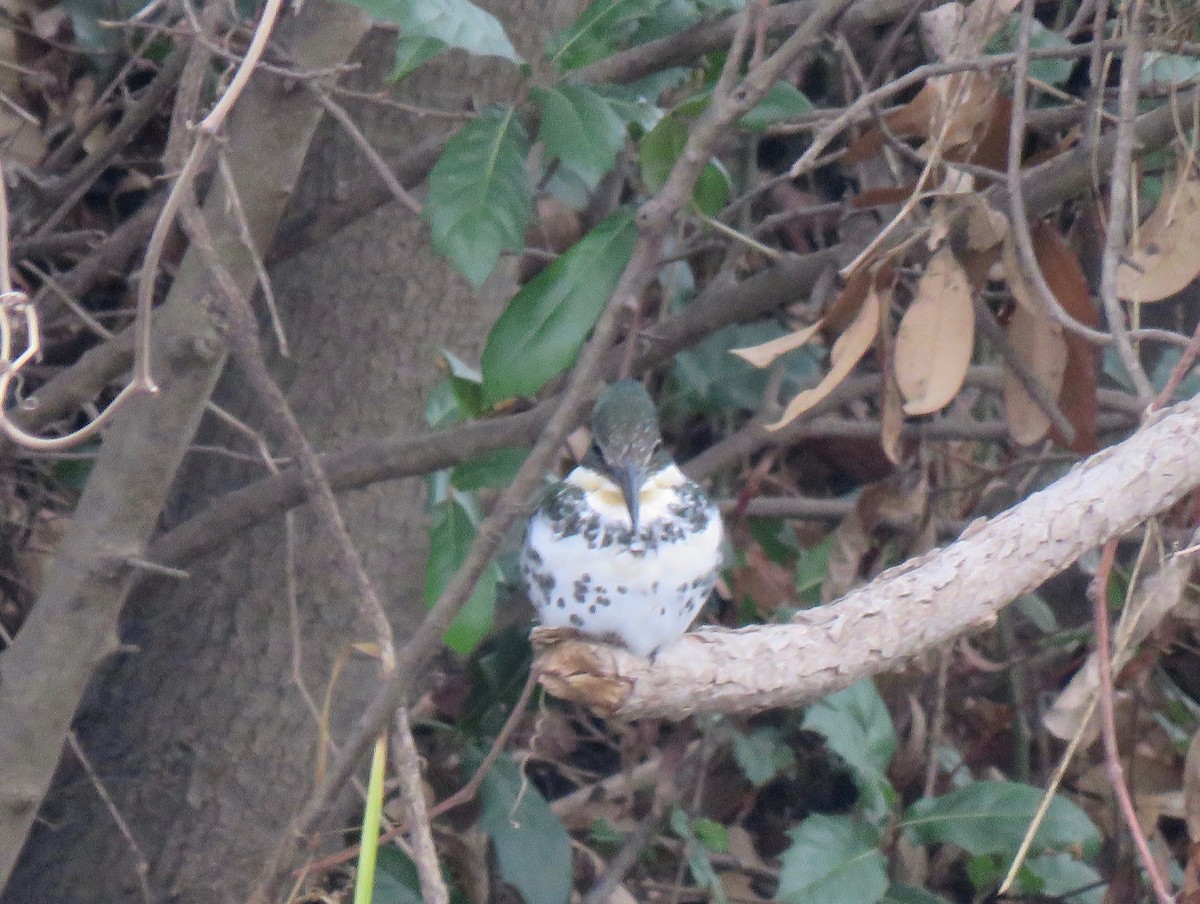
(532, 848)
(762, 755)
(581, 128)
(833, 860)
(412, 52)
(598, 32)
(540, 333)
(991, 818)
(493, 469)
(450, 536)
(455, 23)
(479, 196)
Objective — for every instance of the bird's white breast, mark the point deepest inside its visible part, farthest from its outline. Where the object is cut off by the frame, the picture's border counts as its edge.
(645, 593)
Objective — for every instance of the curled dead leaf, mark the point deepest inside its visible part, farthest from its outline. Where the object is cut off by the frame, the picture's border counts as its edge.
(936, 337)
(765, 354)
(1164, 260)
(846, 352)
(1039, 342)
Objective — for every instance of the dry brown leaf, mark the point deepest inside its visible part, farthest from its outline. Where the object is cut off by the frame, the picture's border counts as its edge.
(843, 309)
(986, 226)
(891, 414)
(1039, 342)
(1166, 258)
(936, 337)
(846, 352)
(1077, 397)
(764, 355)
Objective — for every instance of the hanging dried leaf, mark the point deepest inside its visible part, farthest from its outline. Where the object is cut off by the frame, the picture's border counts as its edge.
(1165, 259)
(843, 309)
(891, 413)
(846, 352)
(1077, 397)
(1038, 340)
(764, 355)
(936, 337)
(986, 226)
(964, 106)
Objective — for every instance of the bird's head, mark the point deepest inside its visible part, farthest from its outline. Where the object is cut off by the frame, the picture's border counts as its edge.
(626, 441)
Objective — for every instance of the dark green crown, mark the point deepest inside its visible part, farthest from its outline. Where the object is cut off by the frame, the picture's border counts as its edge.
(626, 441)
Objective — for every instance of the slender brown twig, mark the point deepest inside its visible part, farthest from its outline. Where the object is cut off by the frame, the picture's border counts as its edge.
(1112, 755)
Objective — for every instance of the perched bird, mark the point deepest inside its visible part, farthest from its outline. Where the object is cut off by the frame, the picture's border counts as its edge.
(626, 547)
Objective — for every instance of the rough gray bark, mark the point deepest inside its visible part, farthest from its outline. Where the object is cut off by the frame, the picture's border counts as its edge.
(204, 741)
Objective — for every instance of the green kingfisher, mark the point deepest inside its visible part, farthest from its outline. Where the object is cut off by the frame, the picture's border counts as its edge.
(626, 547)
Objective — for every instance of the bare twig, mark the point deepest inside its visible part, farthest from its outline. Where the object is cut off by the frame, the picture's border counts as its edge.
(1018, 217)
(1119, 198)
(408, 766)
(141, 867)
(338, 112)
(1098, 590)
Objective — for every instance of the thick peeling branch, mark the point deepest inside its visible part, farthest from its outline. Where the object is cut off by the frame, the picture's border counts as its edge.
(905, 611)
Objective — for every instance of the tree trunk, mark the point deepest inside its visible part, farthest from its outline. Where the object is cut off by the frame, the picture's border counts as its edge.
(200, 734)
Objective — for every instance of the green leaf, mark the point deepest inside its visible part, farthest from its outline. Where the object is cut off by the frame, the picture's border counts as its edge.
(715, 381)
(532, 848)
(833, 860)
(693, 832)
(711, 834)
(479, 197)
(762, 755)
(1053, 71)
(450, 536)
(992, 817)
(74, 472)
(856, 726)
(910, 894)
(659, 150)
(1169, 68)
(783, 101)
(581, 128)
(634, 105)
(465, 382)
(412, 52)
(397, 882)
(1062, 876)
(455, 23)
(604, 25)
(493, 469)
(540, 333)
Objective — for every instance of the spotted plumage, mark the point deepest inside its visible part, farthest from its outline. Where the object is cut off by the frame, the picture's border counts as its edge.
(626, 547)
